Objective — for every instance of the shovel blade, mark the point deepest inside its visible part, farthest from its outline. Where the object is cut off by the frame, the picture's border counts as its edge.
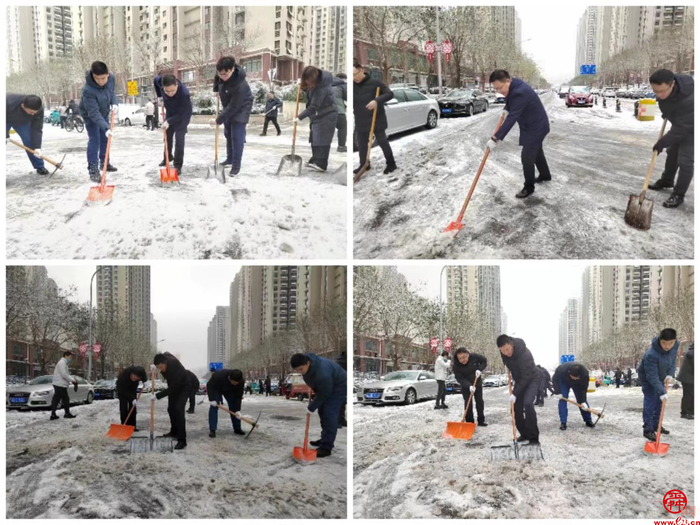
(503, 453)
(168, 175)
(98, 195)
(654, 450)
(120, 432)
(459, 430)
(161, 444)
(530, 452)
(304, 456)
(290, 163)
(454, 226)
(139, 444)
(638, 213)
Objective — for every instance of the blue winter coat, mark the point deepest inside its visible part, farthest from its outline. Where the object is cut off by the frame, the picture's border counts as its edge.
(236, 98)
(95, 100)
(327, 379)
(656, 365)
(17, 117)
(524, 107)
(178, 109)
(270, 104)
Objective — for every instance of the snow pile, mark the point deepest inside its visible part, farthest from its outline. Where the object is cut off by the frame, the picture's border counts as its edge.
(404, 469)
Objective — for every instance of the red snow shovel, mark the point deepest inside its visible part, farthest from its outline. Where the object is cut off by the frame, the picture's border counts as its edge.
(657, 448)
(123, 432)
(461, 429)
(304, 455)
(365, 166)
(457, 225)
(167, 174)
(102, 194)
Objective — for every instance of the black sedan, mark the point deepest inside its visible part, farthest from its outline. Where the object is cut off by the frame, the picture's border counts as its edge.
(452, 386)
(106, 389)
(463, 102)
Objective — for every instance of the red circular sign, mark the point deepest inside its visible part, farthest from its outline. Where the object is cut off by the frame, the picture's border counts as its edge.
(434, 342)
(447, 342)
(675, 499)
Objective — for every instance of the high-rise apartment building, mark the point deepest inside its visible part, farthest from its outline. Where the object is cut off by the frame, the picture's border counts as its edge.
(478, 286)
(328, 46)
(125, 292)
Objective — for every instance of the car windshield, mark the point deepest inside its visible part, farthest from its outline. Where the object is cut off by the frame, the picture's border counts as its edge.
(579, 89)
(104, 382)
(400, 376)
(42, 380)
(459, 93)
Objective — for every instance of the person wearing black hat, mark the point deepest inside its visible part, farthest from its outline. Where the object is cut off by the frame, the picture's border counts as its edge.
(468, 366)
(127, 386)
(177, 393)
(225, 384)
(574, 376)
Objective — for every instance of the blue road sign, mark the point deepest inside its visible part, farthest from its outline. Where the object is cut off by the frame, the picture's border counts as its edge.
(588, 69)
(566, 358)
(216, 366)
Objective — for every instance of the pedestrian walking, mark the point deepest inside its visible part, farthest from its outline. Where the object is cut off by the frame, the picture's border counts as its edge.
(25, 114)
(571, 376)
(65, 111)
(442, 370)
(177, 393)
(272, 105)
(193, 389)
(542, 389)
(61, 380)
(226, 384)
(618, 377)
(341, 125)
(150, 111)
(628, 378)
(687, 378)
(127, 389)
(178, 112)
(268, 386)
(467, 367)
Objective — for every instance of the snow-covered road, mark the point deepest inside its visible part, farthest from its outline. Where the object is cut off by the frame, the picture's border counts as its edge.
(404, 469)
(597, 157)
(68, 469)
(255, 215)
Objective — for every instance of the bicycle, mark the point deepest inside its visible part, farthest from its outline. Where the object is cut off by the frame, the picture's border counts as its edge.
(75, 122)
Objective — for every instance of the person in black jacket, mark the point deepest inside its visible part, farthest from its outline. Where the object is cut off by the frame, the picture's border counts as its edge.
(178, 108)
(676, 99)
(341, 97)
(322, 111)
(194, 387)
(618, 377)
(177, 393)
(544, 383)
(237, 101)
(271, 106)
(628, 378)
(574, 376)
(467, 367)
(127, 385)
(363, 105)
(225, 384)
(519, 360)
(268, 386)
(343, 362)
(523, 106)
(25, 115)
(687, 378)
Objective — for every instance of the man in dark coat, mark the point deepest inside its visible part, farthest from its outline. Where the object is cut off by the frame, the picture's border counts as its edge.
(544, 382)
(127, 385)
(271, 106)
(322, 111)
(97, 101)
(628, 378)
(524, 107)
(676, 99)
(341, 97)
(229, 385)
(178, 392)
(687, 378)
(343, 362)
(237, 101)
(194, 388)
(656, 367)
(467, 367)
(363, 105)
(25, 114)
(519, 360)
(571, 376)
(178, 112)
(328, 381)
(618, 377)
(268, 386)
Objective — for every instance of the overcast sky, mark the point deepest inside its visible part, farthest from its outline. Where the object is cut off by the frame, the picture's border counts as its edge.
(183, 301)
(533, 295)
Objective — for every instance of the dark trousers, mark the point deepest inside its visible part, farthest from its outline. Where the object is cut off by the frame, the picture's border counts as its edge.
(274, 123)
(60, 393)
(652, 409)
(617, 382)
(440, 400)
(214, 412)
(319, 156)
(235, 139)
(150, 122)
(341, 124)
(179, 135)
(124, 408)
(532, 156)
(477, 401)
(341, 416)
(541, 393)
(192, 398)
(62, 121)
(97, 143)
(680, 156)
(328, 412)
(176, 411)
(25, 133)
(688, 400)
(580, 395)
(525, 414)
(382, 141)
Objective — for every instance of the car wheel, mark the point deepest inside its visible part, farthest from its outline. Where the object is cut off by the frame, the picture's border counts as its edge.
(127, 122)
(432, 120)
(470, 110)
(90, 398)
(300, 397)
(410, 397)
(486, 107)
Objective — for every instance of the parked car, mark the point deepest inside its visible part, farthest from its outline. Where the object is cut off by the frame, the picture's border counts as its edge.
(500, 99)
(405, 386)
(410, 109)
(39, 392)
(563, 91)
(595, 91)
(136, 118)
(404, 85)
(202, 390)
(452, 386)
(579, 96)
(621, 93)
(463, 102)
(106, 389)
(491, 381)
(609, 92)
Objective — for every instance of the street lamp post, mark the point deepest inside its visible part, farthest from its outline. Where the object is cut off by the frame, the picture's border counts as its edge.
(439, 65)
(89, 374)
(441, 345)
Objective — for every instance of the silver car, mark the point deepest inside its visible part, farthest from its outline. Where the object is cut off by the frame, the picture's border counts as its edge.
(405, 386)
(39, 392)
(410, 109)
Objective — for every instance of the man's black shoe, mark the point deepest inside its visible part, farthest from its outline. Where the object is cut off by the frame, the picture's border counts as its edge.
(239, 432)
(664, 431)
(212, 433)
(342, 149)
(535, 441)
(651, 435)
(540, 178)
(525, 192)
(111, 168)
(483, 424)
(660, 185)
(53, 416)
(235, 171)
(322, 453)
(687, 416)
(162, 163)
(315, 443)
(389, 168)
(190, 411)
(562, 426)
(521, 439)
(70, 416)
(168, 435)
(42, 171)
(673, 201)
(444, 406)
(180, 445)
(357, 170)
(589, 424)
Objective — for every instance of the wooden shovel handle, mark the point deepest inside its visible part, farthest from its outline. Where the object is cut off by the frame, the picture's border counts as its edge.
(216, 135)
(30, 150)
(661, 417)
(471, 394)
(103, 183)
(133, 406)
(371, 129)
(651, 166)
(296, 115)
(249, 421)
(153, 403)
(589, 409)
(512, 406)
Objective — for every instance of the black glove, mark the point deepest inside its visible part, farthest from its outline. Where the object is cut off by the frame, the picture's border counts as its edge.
(660, 146)
(75, 387)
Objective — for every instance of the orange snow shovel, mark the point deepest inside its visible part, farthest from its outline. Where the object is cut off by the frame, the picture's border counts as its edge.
(638, 213)
(123, 432)
(457, 225)
(365, 166)
(304, 455)
(167, 174)
(102, 194)
(657, 448)
(462, 429)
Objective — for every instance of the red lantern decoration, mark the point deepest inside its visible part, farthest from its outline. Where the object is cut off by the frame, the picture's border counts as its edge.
(97, 348)
(447, 49)
(430, 48)
(83, 349)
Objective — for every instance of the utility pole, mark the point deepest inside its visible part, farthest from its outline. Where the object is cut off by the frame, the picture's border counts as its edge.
(438, 50)
(89, 351)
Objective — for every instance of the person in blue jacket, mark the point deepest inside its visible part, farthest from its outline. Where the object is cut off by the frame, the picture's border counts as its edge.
(25, 114)
(657, 365)
(97, 101)
(271, 106)
(328, 380)
(523, 106)
(178, 112)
